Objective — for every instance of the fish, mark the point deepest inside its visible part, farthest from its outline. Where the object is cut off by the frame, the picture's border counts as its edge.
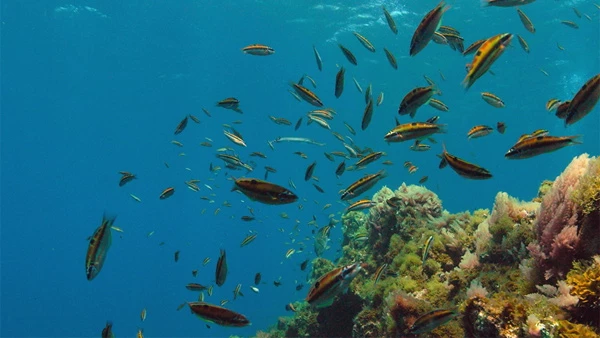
(235, 138)
(570, 24)
(126, 177)
(323, 292)
(533, 146)
(248, 239)
(439, 38)
(289, 253)
(309, 171)
(298, 124)
(339, 82)
(195, 287)
(205, 261)
(526, 21)
(176, 256)
(584, 101)
(439, 105)
(318, 58)
(107, 330)
(257, 278)
(486, 55)
(140, 333)
(367, 115)
(254, 289)
(260, 50)
(181, 126)
(380, 99)
(368, 93)
(413, 130)
(552, 104)
(290, 307)
(415, 99)
(98, 247)
(218, 315)
(427, 27)
(237, 291)
(365, 42)
(391, 58)
(501, 127)
(307, 95)
(562, 109)
(348, 54)
(506, 3)
(479, 131)
(221, 270)
(412, 169)
(492, 100)
(523, 43)
(194, 118)
(357, 85)
(390, 20)
(339, 171)
(264, 192)
(426, 250)
(362, 185)
(423, 179)
(168, 192)
(247, 218)
(303, 265)
(462, 167)
(319, 189)
(360, 205)
(379, 273)
(473, 47)
(280, 120)
(418, 146)
(229, 103)
(143, 314)
(432, 320)
(370, 158)
(137, 199)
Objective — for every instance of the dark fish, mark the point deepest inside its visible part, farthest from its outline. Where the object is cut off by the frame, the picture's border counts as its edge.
(340, 169)
(126, 178)
(257, 278)
(221, 271)
(299, 287)
(391, 58)
(533, 146)
(562, 109)
(431, 320)
(247, 218)
(415, 99)
(168, 192)
(176, 256)
(348, 54)
(473, 47)
(424, 32)
(318, 58)
(390, 20)
(367, 115)
(230, 103)
(584, 101)
(462, 167)
(218, 315)
(195, 287)
(194, 118)
(181, 126)
(501, 127)
(264, 192)
(331, 284)
(309, 171)
(319, 189)
(107, 330)
(98, 248)
(303, 265)
(339, 82)
(362, 185)
(298, 124)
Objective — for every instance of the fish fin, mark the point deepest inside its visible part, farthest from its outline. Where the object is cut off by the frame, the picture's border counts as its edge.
(575, 139)
(413, 113)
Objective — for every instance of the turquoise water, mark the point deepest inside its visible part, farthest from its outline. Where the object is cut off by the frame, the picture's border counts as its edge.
(97, 87)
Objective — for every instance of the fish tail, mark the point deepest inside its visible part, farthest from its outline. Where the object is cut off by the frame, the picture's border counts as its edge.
(575, 139)
(108, 218)
(442, 129)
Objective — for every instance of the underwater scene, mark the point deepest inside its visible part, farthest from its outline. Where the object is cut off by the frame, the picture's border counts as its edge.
(300, 168)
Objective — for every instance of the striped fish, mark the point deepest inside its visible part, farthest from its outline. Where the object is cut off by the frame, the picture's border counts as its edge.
(98, 248)
(331, 284)
(486, 55)
(462, 167)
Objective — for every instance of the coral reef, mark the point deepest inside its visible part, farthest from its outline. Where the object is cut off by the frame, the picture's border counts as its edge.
(525, 269)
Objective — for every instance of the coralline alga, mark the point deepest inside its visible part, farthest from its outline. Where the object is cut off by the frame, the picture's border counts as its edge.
(487, 266)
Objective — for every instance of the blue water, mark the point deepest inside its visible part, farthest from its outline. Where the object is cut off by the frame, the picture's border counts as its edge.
(91, 88)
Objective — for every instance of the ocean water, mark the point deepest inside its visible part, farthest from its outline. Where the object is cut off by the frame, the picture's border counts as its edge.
(91, 88)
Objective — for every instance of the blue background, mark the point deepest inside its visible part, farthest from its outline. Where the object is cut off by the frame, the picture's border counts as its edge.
(91, 88)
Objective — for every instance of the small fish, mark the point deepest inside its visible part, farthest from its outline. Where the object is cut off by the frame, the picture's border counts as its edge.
(552, 104)
(418, 146)
(473, 47)
(380, 99)
(194, 118)
(205, 261)
(176, 256)
(264, 192)
(137, 199)
(431, 320)
(348, 54)
(365, 42)
(426, 250)
(367, 115)
(221, 270)
(290, 307)
(309, 171)
(307, 95)
(492, 100)
(328, 286)
(486, 55)
(339, 171)
(339, 82)
(257, 278)
(423, 179)
(379, 272)
(168, 192)
(303, 265)
(439, 105)
(360, 205)
(357, 85)
(414, 99)
(181, 126)
(248, 240)
(412, 169)
(195, 287)
(526, 21)
(298, 124)
(501, 127)
(319, 189)
(462, 167)
(570, 24)
(254, 289)
(230, 103)
(107, 330)
(126, 177)
(523, 43)
(98, 247)
(143, 314)
(413, 130)
(544, 72)
(237, 291)
(260, 50)
(289, 253)
(318, 58)
(390, 20)
(235, 138)
(206, 112)
(584, 101)
(370, 158)
(391, 58)
(362, 185)
(479, 131)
